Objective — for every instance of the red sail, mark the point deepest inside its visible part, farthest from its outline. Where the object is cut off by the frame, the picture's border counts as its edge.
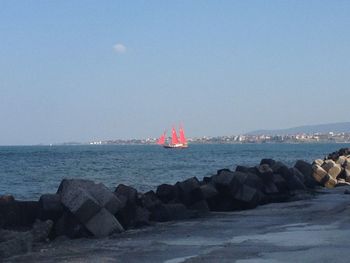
(161, 139)
(182, 136)
(174, 139)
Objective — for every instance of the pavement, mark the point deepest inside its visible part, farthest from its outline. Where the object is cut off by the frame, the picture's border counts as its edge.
(315, 229)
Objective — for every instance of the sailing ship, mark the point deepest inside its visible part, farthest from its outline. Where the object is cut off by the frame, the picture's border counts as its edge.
(176, 142)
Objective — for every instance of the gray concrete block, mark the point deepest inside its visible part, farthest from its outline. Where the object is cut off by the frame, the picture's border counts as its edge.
(80, 203)
(103, 224)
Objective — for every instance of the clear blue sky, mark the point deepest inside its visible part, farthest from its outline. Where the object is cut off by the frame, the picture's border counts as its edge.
(89, 70)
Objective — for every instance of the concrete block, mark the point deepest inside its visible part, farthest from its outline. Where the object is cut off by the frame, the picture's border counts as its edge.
(327, 165)
(331, 183)
(208, 191)
(103, 224)
(80, 203)
(319, 173)
(319, 162)
(341, 160)
(335, 171)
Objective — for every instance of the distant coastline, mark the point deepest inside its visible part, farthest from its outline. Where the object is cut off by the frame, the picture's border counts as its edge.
(320, 133)
(241, 139)
(234, 139)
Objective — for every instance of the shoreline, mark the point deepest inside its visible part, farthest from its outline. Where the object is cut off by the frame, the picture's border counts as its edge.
(82, 209)
(309, 230)
(191, 143)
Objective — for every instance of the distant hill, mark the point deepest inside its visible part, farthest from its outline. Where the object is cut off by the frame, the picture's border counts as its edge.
(308, 129)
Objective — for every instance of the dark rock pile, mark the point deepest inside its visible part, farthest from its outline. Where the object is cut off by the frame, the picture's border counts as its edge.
(82, 208)
(334, 170)
(19, 242)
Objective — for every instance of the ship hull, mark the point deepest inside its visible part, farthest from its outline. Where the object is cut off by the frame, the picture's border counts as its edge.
(175, 146)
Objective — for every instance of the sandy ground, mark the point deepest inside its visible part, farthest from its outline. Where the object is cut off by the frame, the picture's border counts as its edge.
(313, 230)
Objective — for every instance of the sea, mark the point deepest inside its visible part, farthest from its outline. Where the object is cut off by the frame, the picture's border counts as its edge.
(27, 172)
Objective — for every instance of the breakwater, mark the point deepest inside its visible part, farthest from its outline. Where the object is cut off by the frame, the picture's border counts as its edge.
(81, 208)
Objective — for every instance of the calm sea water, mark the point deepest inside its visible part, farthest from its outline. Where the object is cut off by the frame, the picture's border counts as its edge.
(29, 171)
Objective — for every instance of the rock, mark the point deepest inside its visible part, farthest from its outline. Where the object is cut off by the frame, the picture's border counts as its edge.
(41, 230)
(142, 217)
(265, 172)
(84, 198)
(237, 190)
(223, 170)
(127, 191)
(92, 204)
(105, 198)
(297, 174)
(137, 207)
(292, 180)
(189, 191)
(325, 179)
(327, 165)
(269, 162)
(335, 171)
(80, 203)
(278, 167)
(127, 215)
(150, 200)
(50, 207)
(5, 199)
(245, 169)
(206, 180)
(68, 225)
(344, 151)
(208, 191)
(254, 181)
(223, 181)
(270, 189)
(347, 175)
(318, 173)
(331, 183)
(160, 213)
(14, 214)
(341, 160)
(103, 224)
(318, 162)
(101, 193)
(280, 183)
(341, 152)
(306, 169)
(228, 183)
(166, 192)
(294, 183)
(248, 195)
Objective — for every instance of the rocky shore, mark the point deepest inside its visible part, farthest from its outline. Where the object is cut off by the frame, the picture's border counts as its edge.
(83, 209)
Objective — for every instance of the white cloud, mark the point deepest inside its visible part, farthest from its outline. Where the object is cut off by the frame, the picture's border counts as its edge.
(119, 48)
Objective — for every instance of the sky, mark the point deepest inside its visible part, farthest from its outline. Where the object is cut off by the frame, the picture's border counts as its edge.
(94, 70)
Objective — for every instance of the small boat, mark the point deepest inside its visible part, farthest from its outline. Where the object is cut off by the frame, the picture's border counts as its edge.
(176, 142)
